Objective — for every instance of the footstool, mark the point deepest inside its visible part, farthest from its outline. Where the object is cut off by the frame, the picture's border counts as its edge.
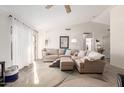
(66, 63)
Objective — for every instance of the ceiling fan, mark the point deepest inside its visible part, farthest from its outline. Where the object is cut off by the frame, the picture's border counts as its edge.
(67, 8)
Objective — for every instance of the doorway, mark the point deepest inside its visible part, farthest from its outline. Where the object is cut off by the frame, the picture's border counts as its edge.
(88, 41)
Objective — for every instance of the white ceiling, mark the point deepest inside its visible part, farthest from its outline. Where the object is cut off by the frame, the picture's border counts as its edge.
(42, 19)
(103, 18)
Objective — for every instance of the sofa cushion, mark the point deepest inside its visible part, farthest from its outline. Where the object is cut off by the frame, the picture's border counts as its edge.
(61, 51)
(64, 56)
(50, 57)
(94, 56)
(52, 51)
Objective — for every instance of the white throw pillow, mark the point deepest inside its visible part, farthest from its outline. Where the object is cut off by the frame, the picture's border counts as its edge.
(81, 53)
(68, 52)
(94, 56)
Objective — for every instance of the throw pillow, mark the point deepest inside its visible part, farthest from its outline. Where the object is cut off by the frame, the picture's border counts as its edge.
(68, 52)
(65, 50)
(94, 56)
(81, 53)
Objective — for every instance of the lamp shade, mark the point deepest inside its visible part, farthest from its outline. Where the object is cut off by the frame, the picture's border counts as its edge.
(73, 40)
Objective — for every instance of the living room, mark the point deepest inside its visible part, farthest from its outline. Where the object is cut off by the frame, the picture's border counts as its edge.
(61, 45)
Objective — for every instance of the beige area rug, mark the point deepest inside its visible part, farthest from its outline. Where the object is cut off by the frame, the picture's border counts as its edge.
(46, 76)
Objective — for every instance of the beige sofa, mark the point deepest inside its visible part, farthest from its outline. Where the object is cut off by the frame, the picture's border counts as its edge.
(83, 66)
(50, 55)
(86, 66)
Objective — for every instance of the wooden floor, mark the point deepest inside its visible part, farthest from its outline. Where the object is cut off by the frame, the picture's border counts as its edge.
(41, 75)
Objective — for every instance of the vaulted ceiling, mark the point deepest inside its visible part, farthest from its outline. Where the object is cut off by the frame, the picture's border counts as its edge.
(43, 19)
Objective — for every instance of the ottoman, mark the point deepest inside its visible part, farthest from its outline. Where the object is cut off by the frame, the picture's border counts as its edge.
(66, 63)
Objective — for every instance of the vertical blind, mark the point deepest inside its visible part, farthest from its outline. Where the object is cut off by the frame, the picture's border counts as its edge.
(22, 40)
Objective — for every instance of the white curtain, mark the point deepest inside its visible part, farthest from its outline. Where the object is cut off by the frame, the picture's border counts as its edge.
(22, 44)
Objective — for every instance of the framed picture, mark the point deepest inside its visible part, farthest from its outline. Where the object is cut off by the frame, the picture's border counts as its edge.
(64, 41)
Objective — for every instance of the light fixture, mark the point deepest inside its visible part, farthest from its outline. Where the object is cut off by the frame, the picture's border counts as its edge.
(73, 40)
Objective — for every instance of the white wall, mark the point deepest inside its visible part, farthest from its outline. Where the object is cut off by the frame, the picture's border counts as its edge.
(117, 36)
(99, 30)
(5, 44)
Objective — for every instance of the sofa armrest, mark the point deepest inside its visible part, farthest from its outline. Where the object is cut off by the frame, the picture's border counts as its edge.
(96, 66)
(96, 62)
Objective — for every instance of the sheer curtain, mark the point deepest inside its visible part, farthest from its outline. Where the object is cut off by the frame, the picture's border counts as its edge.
(22, 38)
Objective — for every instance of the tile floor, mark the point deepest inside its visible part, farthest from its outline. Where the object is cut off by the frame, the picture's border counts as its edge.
(41, 75)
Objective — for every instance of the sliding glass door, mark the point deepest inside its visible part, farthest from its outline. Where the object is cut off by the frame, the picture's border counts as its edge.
(23, 46)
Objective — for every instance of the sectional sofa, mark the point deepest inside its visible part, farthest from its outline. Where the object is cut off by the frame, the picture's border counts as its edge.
(83, 64)
(86, 66)
(50, 55)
